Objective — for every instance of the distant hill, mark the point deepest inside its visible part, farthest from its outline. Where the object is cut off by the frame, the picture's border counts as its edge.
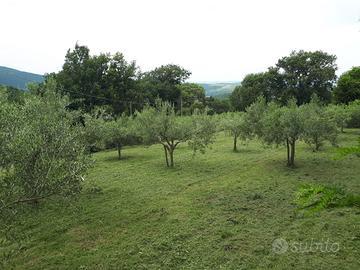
(17, 78)
(219, 89)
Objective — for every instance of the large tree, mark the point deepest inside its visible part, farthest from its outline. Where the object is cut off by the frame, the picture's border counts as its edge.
(82, 78)
(306, 73)
(95, 80)
(299, 76)
(121, 82)
(251, 87)
(192, 96)
(348, 86)
(163, 82)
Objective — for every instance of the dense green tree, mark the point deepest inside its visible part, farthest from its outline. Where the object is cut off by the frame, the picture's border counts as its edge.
(121, 83)
(216, 105)
(299, 76)
(192, 96)
(348, 86)
(306, 73)
(13, 94)
(251, 87)
(97, 80)
(163, 82)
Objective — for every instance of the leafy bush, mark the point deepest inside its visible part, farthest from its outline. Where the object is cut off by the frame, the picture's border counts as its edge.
(354, 109)
(314, 198)
(319, 126)
(43, 151)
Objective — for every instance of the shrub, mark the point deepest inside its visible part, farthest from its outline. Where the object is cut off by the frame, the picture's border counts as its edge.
(44, 150)
(313, 198)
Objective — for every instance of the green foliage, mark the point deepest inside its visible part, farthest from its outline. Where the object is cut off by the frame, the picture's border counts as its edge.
(269, 126)
(254, 115)
(163, 82)
(10, 121)
(160, 124)
(120, 132)
(216, 105)
(314, 198)
(97, 80)
(192, 97)
(354, 150)
(354, 111)
(319, 125)
(297, 76)
(348, 86)
(251, 87)
(340, 114)
(203, 130)
(43, 152)
(235, 125)
(306, 73)
(93, 132)
(281, 125)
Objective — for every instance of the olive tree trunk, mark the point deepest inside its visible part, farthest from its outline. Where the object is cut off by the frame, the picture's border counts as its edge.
(291, 156)
(119, 150)
(166, 156)
(235, 143)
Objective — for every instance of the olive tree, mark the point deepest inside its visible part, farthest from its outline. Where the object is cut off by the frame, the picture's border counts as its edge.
(160, 124)
(9, 124)
(235, 125)
(283, 125)
(318, 125)
(44, 150)
(340, 114)
(93, 132)
(254, 115)
(119, 132)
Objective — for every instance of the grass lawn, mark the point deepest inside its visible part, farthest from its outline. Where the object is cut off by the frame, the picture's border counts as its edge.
(221, 210)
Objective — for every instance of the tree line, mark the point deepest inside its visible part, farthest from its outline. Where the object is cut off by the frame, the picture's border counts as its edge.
(299, 76)
(119, 86)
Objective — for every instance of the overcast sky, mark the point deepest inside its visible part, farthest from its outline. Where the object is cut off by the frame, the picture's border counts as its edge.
(217, 40)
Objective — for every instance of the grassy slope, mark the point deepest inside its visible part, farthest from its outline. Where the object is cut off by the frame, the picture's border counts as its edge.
(221, 210)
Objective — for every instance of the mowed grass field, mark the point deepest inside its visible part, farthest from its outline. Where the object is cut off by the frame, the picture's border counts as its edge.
(221, 210)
